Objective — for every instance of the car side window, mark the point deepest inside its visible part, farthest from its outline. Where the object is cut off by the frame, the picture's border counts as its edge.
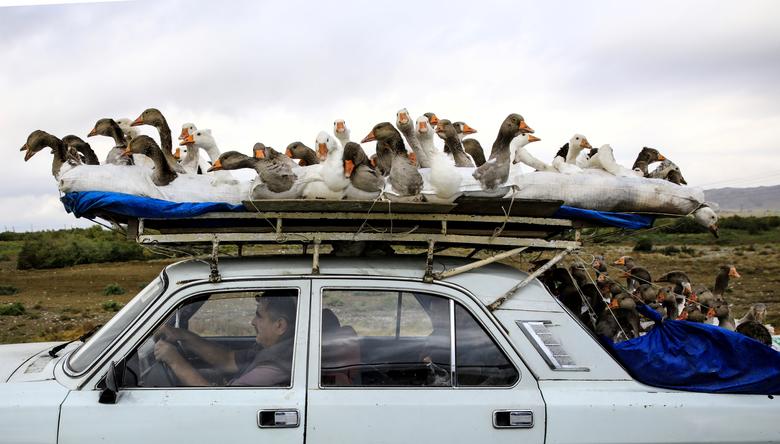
(403, 339)
(221, 339)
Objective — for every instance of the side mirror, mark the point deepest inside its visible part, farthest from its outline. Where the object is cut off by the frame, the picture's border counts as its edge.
(109, 393)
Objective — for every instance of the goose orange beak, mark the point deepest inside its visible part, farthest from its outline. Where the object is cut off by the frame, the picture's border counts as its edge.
(524, 128)
(322, 151)
(413, 158)
(585, 144)
(468, 130)
(188, 139)
(138, 121)
(433, 120)
(127, 152)
(661, 157)
(601, 278)
(29, 152)
(289, 153)
(614, 303)
(93, 132)
(373, 161)
(711, 313)
(733, 273)
(216, 166)
(339, 127)
(259, 154)
(533, 138)
(694, 298)
(621, 261)
(369, 138)
(403, 117)
(177, 153)
(714, 230)
(184, 134)
(349, 166)
(421, 127)
(302, 163)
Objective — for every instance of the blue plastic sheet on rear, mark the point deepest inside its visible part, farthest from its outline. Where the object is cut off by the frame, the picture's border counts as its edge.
(85, 203)
(697, 357)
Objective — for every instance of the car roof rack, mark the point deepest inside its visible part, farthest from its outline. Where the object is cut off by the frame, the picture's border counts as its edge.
(506, 227)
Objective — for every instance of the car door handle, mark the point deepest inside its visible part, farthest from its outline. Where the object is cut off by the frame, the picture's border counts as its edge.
(279, 419)
(513, 419)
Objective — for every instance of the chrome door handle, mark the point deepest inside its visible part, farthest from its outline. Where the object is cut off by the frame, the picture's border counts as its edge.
(513, 419)
(284, 418)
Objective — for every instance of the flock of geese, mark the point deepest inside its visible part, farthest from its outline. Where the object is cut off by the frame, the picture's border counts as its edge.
(337, 167)
(608, 307)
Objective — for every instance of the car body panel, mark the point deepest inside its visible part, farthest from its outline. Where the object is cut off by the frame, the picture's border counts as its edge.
(29, 411)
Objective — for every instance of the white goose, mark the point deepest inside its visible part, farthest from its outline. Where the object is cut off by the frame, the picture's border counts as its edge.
(444, 178)
(203, 139)
(605, 160)
(341, 131)
(325, 180)
(519, 154)
(566, 159)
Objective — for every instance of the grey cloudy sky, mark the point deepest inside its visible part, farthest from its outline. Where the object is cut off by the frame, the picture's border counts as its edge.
(696, 79)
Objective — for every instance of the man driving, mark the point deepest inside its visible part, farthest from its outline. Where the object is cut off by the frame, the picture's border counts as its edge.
(267, 364)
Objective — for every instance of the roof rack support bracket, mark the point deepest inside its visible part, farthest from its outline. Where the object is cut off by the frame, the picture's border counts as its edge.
(428, 276)
(214, 275)
(477, 264)
(315, 260)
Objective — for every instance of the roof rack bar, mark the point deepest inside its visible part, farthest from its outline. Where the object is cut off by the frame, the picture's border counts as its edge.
(214, 275)
(477, 264)
(428, 277)
(557, 258)
(315, 261)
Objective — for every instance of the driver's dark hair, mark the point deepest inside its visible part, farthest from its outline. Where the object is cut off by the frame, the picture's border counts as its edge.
(281, 304)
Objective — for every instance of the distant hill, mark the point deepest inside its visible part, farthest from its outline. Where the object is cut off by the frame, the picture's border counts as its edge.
(746, 200)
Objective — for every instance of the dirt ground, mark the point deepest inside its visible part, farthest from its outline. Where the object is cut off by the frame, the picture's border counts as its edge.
(60, 304)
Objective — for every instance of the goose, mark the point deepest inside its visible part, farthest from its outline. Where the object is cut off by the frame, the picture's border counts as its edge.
(306, 155)
(566, 158)
(756, 313)
(275, 179)
(692, 313)
(646, 157)
(432, 119)
(472, 146)
(682, 286)
(131, 133)
(667, 170)
(635, 276)
(324, 180)
(404, 179)
(109, 128)
(341, 131)
(722, 312)
(166, 183)
(445, 179)
(187, 129)
(495, 171)
(191, 162)
(706, 217)
(365, 182)
(605, 159)
(153, 117)
(722, 279)
(86, 155)
(452, 144)
(519, 154)
(203, 139)
(405, 125)
(38, 140)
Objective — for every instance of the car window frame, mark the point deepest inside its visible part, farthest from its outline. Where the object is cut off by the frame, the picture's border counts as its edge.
(455, 296)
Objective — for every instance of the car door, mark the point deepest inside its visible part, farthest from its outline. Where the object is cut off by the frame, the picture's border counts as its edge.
(238, 407)
(386, 366)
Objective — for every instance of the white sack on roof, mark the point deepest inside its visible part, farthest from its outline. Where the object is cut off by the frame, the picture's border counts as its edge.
(599, 190)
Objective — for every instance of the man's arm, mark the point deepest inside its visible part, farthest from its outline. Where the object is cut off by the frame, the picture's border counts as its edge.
(217, 356)
(188, 376)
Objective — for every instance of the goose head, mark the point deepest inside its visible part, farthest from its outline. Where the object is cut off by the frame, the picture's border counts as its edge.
(340, 129)
(186, 130)
(707, 217)
(353, 157)
(150, 116)
(514, 124)
(404, 121)
(424, 128)
(306, 155)
(577, 143)
(201, 138)
(432, 119)
(232, 160)
(520, 141)
(385, 132)
(326, 145)
(125, 125)
(445, 129)
(463, 129)
(109, 128)
(36, 141)
(143, 145)
(650, 155)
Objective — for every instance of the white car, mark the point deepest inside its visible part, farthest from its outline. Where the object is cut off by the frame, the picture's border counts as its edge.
(376, 355)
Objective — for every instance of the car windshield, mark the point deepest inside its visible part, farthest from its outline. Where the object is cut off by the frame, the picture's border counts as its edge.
(87, 353)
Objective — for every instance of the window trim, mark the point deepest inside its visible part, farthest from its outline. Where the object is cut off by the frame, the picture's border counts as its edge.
(142, 337)
(332, 284)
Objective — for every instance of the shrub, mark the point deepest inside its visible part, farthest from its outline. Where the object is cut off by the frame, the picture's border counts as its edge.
(7, 290)
(113, 289)
(12, 309)
(670, 250)
(111, 305)
(63, 248)
(644, 244)
(688, 250)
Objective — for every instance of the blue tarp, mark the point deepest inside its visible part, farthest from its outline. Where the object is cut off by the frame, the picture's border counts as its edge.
(84, 203)
(697, 357)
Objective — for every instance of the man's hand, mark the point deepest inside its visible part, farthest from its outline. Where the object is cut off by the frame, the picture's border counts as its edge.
(166, 333)
(166, 352)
